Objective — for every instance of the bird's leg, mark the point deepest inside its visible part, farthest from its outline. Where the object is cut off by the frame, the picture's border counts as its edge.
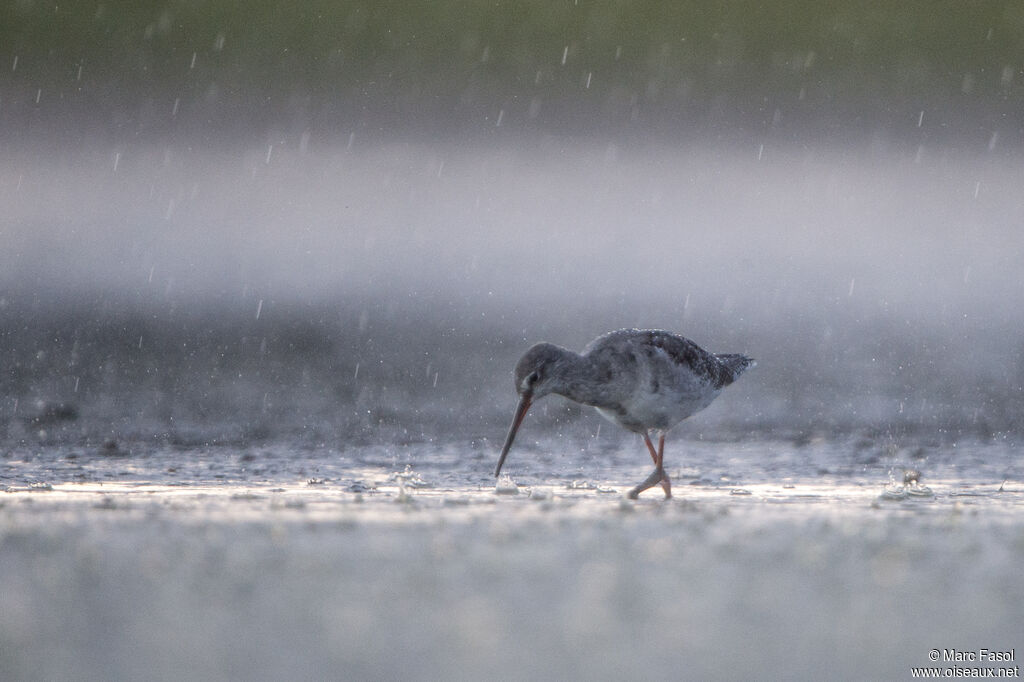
(657, 458)
(650, 449)
(666, 484)
(658, 475)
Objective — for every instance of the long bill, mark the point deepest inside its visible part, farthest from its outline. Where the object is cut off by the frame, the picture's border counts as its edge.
(524, 405)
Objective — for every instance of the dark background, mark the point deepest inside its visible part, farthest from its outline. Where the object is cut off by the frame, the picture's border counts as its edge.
(794, 71)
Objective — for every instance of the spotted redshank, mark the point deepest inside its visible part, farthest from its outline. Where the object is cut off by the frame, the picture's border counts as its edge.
(644, 380)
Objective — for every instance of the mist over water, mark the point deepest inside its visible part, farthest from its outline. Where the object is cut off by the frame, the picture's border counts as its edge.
(214, 231)
(876, 288)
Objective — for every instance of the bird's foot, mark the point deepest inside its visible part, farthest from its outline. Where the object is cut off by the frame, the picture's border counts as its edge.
(657, 476)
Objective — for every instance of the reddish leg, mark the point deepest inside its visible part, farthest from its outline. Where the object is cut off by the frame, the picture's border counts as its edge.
(658, 475)
(650, 448)
(666, 484)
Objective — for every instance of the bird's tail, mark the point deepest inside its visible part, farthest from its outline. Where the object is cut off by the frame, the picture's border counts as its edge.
(736, 363)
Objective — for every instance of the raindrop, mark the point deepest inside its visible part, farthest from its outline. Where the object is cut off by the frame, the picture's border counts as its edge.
(565, 54)
(852, 282)
(77, 379)
(435, 379)
(590, 74)
(1007, 76)
(151, 270)
(170, 210)
(117, 160)
(218, 43)
(351, 139)
(920, 118)
(140, 343)
(78, 78)
(977, 188)
(486, 53)
(760, 152)
(618, 52)
(270, 151)
(440, 168)
(174, 109)
(967, 274)
(304, 142)
(39, 94)
(192, 64)
(992, 141)
(356, 375)
(259, 309)
(501, 115)
(14, 66)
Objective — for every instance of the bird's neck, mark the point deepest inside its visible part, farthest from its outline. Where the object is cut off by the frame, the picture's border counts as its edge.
(579, 380)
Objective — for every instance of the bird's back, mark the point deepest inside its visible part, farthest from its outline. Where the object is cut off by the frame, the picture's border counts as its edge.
(678, 353)
(659, 378)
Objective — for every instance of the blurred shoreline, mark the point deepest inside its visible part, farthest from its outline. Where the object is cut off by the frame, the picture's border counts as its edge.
(372, 371)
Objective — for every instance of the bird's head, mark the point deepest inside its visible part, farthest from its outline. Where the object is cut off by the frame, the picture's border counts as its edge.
(537, 374)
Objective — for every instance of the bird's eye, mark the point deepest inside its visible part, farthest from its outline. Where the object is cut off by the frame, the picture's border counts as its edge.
(532, 379)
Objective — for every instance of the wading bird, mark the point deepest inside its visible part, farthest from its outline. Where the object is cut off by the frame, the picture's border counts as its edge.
(644, 380)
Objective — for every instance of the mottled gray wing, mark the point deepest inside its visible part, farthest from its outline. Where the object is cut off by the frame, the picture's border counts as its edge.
(686, 353)
(679, 350)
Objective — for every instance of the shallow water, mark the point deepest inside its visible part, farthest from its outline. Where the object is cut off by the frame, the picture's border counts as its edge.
(386, 562)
